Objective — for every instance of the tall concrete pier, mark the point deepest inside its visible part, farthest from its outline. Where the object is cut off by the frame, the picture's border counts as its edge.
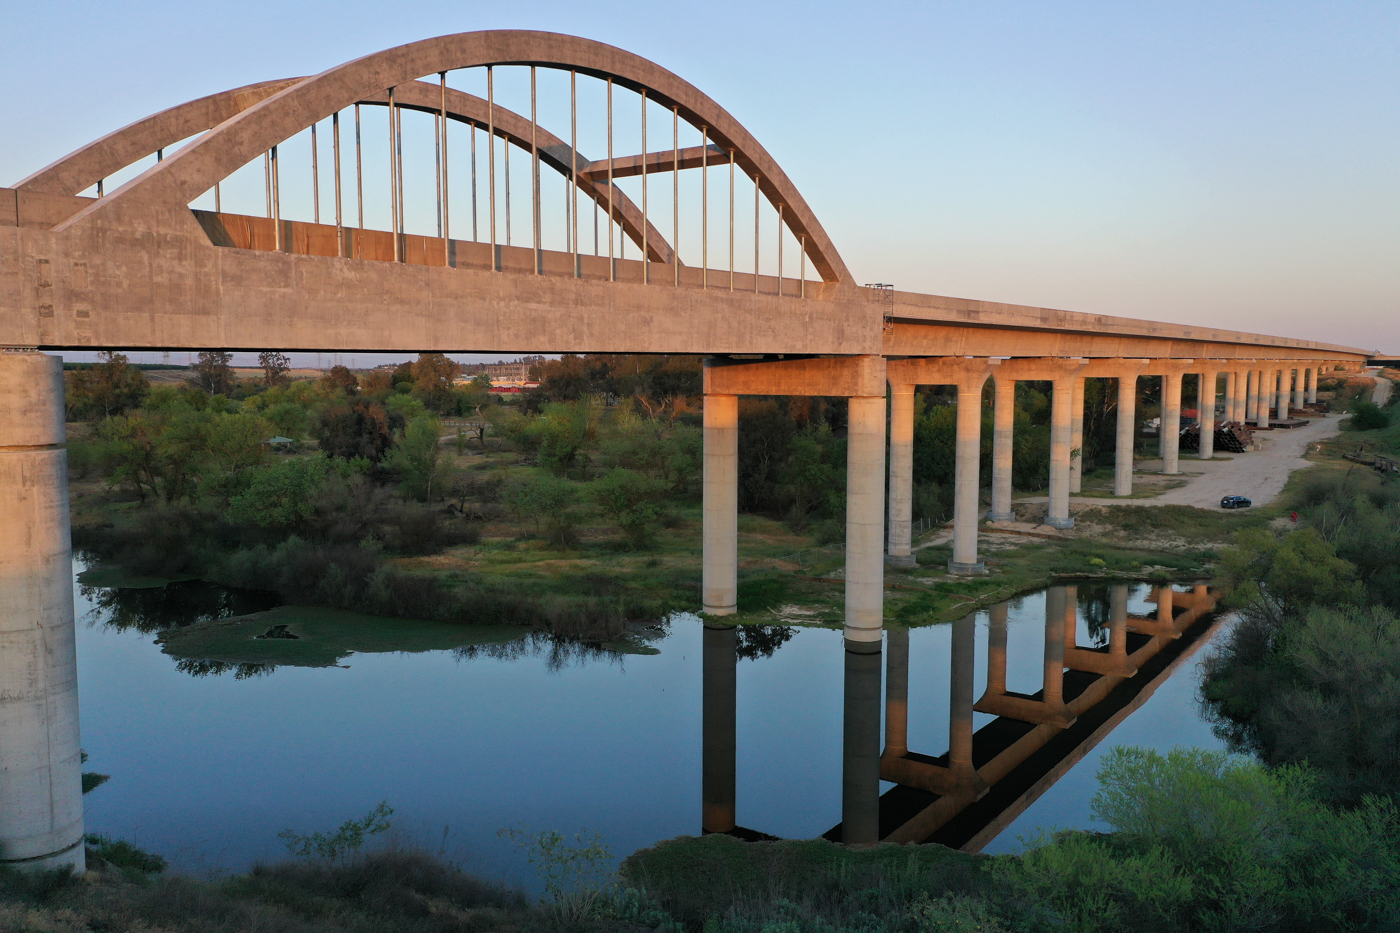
(41, 795)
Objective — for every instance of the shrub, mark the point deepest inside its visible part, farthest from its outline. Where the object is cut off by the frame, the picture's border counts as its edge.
(632, 501)
(334, 848)
(1366, 416)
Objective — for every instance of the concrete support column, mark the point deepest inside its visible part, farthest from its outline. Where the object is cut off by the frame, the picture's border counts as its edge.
(900, 550)
(1298, 390)
(1076, 438)
(860, 763)
(967, 481)
(41, 796)
(1003, 430)
(1261, 399)
(1281, 396)
(1238, 396)
(1061, 416)
(1251, 398)
(1205, 402)
(897, 693)
(1169, 434)
(718, 732)
(720, 571)
(1127, 423)
(865, 519)
(1312, 384)
(1229, 396)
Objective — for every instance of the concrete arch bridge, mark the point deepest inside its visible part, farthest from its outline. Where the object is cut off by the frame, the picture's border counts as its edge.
(125, 244)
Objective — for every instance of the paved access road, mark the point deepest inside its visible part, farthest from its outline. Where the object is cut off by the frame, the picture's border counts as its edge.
(1259, 474)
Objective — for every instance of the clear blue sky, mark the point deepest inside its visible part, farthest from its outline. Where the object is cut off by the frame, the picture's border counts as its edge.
(1232, 164)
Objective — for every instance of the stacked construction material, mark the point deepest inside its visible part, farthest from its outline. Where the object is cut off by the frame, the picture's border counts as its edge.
(1233, 436)
(1230, 436)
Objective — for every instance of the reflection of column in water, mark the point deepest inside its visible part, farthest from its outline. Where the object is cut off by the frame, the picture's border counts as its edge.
(897, 693)
(717, 785)
(996, 650)
(960, 705)
(860, 785)
(1164, 604)
(1118, 620)
(1055, 599)
(1071, 616)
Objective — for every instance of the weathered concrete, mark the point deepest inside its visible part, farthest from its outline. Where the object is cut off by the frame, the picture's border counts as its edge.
(969, 375)
(1076, 438)
(720, 571)
(967, 479)
(865, 519)
(1206, 390)
(41, 802)
(1003, 434)
(1061, 409)
(900, 551)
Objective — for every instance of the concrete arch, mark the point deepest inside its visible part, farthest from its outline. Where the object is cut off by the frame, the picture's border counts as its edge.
(180, 179)
(81, 169)
(554, 152)
(85, 167)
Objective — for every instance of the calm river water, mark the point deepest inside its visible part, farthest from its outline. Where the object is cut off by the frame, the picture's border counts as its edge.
(206, 770)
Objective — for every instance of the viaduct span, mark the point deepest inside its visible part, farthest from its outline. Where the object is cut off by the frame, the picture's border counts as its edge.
(150, 265)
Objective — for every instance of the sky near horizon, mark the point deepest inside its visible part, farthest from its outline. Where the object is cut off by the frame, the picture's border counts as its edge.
(1224, 164)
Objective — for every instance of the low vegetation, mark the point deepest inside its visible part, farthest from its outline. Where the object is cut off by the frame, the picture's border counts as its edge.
(1199, 841)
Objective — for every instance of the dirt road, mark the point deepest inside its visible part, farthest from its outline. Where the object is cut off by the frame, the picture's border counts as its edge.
(1259, 475)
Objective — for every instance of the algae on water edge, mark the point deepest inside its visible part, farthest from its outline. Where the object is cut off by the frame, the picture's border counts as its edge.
(323, 637)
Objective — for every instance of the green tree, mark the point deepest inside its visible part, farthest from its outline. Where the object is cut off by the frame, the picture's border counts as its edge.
(1270, 576)
(274, 366)
(418, 459)
(433, 378)
(549, 503)
(283, 494)
(237, 442)
(633, 502)
(109, 387)
(213, 372)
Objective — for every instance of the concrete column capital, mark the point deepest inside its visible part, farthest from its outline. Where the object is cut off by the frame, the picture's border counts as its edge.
(1043, 368)
(970, 371)
(1114, 368)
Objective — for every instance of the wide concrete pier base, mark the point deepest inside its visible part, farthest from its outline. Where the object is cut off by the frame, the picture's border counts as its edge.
(41, 794)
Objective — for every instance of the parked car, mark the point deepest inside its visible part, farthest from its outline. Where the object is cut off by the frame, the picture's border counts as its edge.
(1235, 502)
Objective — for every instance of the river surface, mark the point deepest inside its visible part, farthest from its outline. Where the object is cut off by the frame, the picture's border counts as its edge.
(207, 770)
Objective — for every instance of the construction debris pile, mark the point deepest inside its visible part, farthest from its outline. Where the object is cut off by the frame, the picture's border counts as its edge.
(1230, 437)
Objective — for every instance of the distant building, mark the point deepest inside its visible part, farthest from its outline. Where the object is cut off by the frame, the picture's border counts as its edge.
(513, 371)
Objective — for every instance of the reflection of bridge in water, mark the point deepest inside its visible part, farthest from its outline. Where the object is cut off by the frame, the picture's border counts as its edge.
(989, 775)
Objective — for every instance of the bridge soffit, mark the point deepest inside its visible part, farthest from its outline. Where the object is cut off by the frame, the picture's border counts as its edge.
(195, 168)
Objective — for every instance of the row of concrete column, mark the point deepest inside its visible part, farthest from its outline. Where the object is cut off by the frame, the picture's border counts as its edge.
(1066, 430)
